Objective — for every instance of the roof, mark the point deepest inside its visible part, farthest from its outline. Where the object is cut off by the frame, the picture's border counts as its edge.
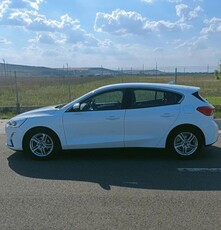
(170, 87)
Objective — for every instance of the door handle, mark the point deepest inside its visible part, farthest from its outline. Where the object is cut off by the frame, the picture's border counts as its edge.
(112, 118)
(167, 115)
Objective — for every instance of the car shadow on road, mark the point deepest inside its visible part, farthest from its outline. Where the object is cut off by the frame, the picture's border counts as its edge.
(133, 168)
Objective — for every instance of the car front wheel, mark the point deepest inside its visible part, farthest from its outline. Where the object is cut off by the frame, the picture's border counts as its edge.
(185, 143)
(41, 144)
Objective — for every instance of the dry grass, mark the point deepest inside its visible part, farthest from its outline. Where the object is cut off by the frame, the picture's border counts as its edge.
(40, 91)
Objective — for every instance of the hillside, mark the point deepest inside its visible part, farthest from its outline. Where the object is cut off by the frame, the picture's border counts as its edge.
(38, 71)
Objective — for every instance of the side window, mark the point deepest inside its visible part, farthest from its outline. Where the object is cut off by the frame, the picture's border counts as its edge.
(172, 98)
(106, 101)
(143, 98)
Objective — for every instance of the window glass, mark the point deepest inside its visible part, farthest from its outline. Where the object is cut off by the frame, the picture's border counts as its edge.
(143, 98)
(197, 95)
(106, 101)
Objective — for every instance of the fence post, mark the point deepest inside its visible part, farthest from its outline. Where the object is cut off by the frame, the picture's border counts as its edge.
(17, 97)
(176, 75)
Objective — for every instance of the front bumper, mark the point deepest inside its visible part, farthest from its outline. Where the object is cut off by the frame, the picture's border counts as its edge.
(14, 139)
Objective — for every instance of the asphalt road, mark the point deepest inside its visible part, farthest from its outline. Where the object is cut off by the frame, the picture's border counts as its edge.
(110, 189)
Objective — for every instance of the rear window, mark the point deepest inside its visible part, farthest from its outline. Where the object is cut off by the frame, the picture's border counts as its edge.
(197, 95)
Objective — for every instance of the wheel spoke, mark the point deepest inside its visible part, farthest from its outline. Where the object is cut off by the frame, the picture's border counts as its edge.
(191, 138)
(35, 149)
(191, 146)
(181, 137)
(35, 140)
(185, 150)
(44, 138)
(44, 151)
(179, 145)
(48, 146)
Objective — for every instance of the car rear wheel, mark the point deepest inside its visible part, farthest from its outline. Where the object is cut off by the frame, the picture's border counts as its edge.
(185, 142)
(41, 144)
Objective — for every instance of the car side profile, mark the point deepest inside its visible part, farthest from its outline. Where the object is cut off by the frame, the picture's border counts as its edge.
(124, 115)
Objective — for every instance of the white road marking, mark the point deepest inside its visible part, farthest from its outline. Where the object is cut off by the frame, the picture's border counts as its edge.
(213, 170)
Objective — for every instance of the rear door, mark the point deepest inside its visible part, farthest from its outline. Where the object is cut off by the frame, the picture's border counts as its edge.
(150, 115)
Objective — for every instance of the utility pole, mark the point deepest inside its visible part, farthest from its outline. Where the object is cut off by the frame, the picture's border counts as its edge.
(17, 97)
(176, 75)
(156, 71)
(69, 84)
(4, 66)
(102, 71)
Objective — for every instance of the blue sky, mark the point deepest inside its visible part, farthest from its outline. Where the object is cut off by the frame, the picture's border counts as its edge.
(110, 33)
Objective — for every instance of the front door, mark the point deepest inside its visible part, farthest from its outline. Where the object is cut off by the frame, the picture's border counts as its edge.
(98, 123)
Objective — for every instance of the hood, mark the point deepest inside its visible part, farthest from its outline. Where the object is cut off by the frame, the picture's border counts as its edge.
(46, 111)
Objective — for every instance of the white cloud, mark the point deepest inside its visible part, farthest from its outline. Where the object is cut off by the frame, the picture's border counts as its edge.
(163, 26)
(15, 4)
(152, 1)
(41, 23)
(24, 14)
(4, 41)
(186, 13)
(194, 44)
(33, 3)
(213, 25)
(22, 4)
(175, 1)
(121, 22)
(148, 1)
(49, 38)
(123, 38)
(19, 18)
(3, 7)
(158, 50)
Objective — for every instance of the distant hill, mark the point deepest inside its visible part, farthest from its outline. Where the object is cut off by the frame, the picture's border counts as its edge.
(38, 71)
(9, 69)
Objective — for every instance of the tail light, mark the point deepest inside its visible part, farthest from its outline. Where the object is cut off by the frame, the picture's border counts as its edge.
(206, 110)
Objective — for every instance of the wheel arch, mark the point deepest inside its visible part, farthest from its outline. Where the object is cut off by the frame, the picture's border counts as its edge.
(183, 127)
(40, 129)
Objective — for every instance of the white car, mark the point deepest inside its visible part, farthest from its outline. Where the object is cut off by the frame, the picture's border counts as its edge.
(115, 116)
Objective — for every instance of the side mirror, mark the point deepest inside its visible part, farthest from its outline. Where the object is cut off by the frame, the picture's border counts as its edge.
(76, 107)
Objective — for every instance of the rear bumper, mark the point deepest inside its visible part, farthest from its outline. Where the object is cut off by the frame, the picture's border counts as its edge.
(211, 133)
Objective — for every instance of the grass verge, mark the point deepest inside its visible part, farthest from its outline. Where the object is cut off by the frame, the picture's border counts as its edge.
(33, 91)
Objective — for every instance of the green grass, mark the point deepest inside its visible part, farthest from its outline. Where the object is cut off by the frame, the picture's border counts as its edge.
(216, 102)
(7, 115)
(34, 91)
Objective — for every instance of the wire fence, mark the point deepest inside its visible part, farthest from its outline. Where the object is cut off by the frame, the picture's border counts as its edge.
(37, 87)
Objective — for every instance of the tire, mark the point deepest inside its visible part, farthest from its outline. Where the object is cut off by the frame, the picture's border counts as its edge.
(41, 144)
(186, 142)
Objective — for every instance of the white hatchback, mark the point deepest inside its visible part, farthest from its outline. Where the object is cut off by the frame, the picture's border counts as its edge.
(115, 116)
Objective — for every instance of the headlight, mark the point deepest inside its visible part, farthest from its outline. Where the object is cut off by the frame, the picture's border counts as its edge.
(15, 123)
